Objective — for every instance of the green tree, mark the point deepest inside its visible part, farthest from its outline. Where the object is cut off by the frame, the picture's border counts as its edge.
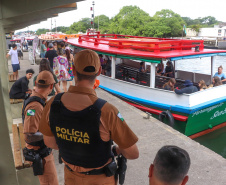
(188, 21)
(196, 27)
(209, 20)
(80, 26)
(62, 29)
(42, 31)
(166, 23)
(104, 22)
(131, 20)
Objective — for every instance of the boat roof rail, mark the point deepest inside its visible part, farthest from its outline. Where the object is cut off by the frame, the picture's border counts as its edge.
(141, 43)
(148, 49)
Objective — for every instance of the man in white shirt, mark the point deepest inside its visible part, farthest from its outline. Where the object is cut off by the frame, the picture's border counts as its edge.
(14, 60)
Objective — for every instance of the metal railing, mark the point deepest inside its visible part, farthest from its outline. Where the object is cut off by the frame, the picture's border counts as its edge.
(141, 43)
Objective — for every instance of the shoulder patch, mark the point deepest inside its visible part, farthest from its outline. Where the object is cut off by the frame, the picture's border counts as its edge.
(30, 112)
(120, 116)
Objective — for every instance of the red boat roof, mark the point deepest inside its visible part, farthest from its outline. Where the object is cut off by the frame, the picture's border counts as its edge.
(142, 47)
(14, 40)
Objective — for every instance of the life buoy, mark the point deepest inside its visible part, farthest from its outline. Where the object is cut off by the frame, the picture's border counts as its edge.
(167, 114)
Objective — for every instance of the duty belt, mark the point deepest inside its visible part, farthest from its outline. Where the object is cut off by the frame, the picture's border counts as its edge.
(109, 170)
(92, 172)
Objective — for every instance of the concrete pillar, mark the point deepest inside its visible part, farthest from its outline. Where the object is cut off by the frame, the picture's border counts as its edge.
(7, 167)
(113, 67)
(4, 77)
(152, 75)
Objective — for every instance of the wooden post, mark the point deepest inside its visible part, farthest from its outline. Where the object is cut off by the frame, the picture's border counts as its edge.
(113, 67)
(152, 75)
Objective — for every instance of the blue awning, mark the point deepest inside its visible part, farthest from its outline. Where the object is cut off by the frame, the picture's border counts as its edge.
(198, 56)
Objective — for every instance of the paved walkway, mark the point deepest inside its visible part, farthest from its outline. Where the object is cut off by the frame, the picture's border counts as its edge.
(207, 167)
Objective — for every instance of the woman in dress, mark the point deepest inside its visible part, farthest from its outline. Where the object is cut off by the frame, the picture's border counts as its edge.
(45, 66)
(60, 69)
(70, 59)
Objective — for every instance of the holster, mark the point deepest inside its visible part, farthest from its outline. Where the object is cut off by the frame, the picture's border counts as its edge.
(36, 156)
(121, 171)
(110, 169)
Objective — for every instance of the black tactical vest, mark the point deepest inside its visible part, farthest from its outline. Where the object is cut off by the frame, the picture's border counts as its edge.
(77, 134)
(28, 100)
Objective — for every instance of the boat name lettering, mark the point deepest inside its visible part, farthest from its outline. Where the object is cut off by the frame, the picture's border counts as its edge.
(207, 109)
(218, 113)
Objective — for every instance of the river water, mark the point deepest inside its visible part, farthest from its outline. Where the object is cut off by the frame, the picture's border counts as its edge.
(202, 65)
(216, 140)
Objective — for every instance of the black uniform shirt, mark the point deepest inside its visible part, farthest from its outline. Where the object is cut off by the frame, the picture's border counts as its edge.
(51, 54)
(20, 86)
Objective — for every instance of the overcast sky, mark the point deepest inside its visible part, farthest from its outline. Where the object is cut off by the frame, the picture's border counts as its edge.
(186, 8)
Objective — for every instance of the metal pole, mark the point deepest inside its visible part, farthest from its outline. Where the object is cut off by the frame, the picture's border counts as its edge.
(175, 68)
(55, 25)
(51, 24)
(183, 33)
(98, 23)
(113, 67)
(93, 14)
(152, 75)
(213, 59)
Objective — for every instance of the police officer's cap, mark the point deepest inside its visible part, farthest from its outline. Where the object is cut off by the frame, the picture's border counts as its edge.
(45, 78)
(87, 62)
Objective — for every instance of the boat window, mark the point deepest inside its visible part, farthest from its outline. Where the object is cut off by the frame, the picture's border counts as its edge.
(129, 70)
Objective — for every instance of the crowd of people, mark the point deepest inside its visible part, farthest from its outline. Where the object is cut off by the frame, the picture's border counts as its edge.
(85, 149)
(218, 79)
(105, 61)
(60, 61)
(86, 162)
(168, 71)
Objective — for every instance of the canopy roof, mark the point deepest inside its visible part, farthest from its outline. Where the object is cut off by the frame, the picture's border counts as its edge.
(16, 14)
(144, 48)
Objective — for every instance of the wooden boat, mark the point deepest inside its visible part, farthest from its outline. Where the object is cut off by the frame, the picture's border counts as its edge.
(193, 114)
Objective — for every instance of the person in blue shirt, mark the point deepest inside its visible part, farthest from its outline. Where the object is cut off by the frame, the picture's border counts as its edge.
(220, 74)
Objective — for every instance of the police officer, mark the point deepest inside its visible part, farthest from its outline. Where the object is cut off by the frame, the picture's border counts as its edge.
(35, 150)
(82, 127)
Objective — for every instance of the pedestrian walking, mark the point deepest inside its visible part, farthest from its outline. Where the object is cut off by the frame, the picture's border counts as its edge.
(70, 59)
(43, 49)
(44, 66)
(60, 69)
(14, 60)
(51, 54)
